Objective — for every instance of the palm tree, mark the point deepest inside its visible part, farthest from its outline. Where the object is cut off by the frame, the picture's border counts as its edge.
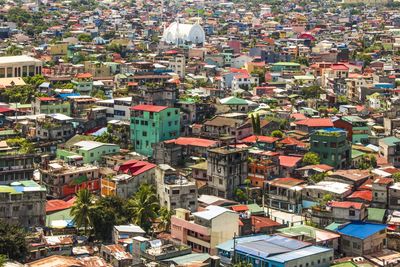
(82, 209)
(165, 219)
(143, 207)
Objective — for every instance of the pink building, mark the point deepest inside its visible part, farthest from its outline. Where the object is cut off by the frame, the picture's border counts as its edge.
(205, 229)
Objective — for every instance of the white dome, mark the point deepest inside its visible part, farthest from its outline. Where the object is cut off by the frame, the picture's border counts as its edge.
(178, 33)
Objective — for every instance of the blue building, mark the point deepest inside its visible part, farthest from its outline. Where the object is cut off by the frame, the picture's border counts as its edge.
(308, 256)
(274, 251)
(362, 238)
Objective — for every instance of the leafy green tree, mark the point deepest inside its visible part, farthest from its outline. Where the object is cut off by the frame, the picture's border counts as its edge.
(107, 212)
(13, 50)
(317, 177)
(165, 219)
(107, 137)
(396, 177)
(303, 61)
(277, 134)
(240, 196)
(13, 241)
(311, 158)
(261, 74)
(35, 81)
(255, 122)
(83, 37)
(24, 145)
(3, 260)
(367, 162)
(21, 93)
(82, 209)
(342, 99)
(313, 91)
(143, 207)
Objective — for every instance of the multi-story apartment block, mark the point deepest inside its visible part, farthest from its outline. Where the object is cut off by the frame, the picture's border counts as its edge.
(174, 190)
(19, 66)
(226, 170)
(152, 124)
(332, 146)
(389, 148)
(62, 179)
(23, 203)
(15, 166)
(206, 229)
(54, 127)
(178, 65)
(117, 108)
(83, 83)
(51, 105)
(356, 128)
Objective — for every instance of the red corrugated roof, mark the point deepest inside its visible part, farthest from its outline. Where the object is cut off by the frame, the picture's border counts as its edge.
(259, 138)
(47, 98)
(185, 141)
(135, 167)
(240, 208)
(58, 204)
(3, 109)
(149, 108)
(85, 75)
(364, 195)
(288, 161)
(316, 122)
(339, 67)
(346, 204)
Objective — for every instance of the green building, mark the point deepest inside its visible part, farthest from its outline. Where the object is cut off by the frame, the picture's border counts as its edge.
(83, 83)
(356, 127)
(87, 151)
(285, 66)
(332, 146)
(51, 105)
(153, 124)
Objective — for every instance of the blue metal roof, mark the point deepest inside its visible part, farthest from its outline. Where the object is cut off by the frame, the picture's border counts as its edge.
(270, 246)
(361, 230)
(298, 254)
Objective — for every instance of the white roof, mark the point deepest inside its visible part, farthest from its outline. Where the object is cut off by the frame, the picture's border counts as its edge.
(18, 59)
(334, 187)
(184, 32)
(130, 228)
(211, 212)
(60, 117)
(209, 199)
(89, 145)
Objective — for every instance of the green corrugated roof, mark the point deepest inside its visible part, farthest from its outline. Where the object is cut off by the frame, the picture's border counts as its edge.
(58, 215)
(8, 132)
(353, 119)
(255, 209)
(201, 166)
(233, 101)
(391, 140)
(7, 189)
(376, 215)
(356, 153)
(189, 258)
(333, 226)
(345, 264)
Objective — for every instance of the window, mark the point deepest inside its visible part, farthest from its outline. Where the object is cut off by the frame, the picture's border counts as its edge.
(220, 181)
(192, 191)
(352, 213)
(144, 133)
(175, 192)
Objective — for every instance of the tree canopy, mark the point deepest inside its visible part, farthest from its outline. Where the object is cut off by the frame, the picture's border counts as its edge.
(12, 241)
(311, 158)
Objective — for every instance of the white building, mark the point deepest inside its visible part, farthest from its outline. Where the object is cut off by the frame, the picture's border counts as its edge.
(117, 108)
(178, 33)
(19, 66)
(178, 65)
